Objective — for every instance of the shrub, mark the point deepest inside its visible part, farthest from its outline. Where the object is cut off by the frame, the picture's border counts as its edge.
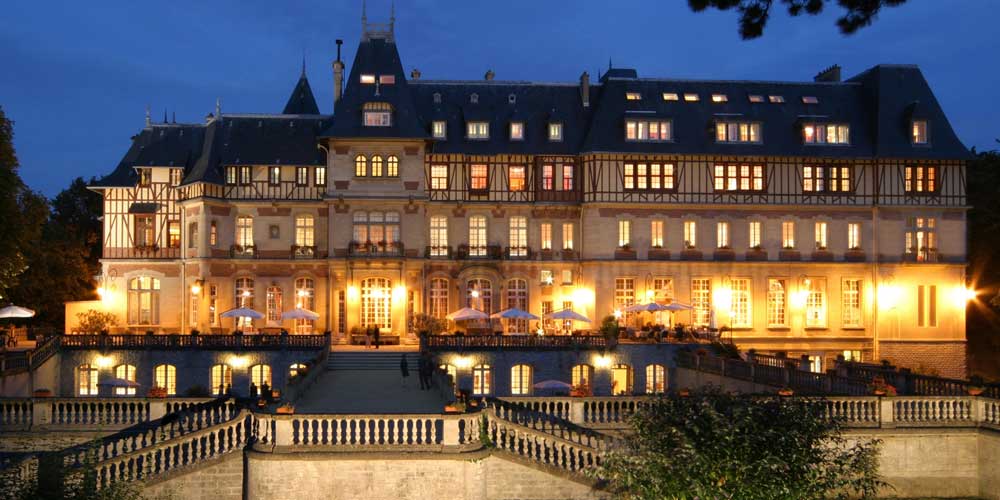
(429, 324)
(94, 321)
(196, 391)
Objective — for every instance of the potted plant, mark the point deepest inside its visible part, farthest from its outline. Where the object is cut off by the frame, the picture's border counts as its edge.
(157, 392)
(285, 409)
(976, 385)
(42, 393)
(786, 392)
(580, 390)
(455, 407)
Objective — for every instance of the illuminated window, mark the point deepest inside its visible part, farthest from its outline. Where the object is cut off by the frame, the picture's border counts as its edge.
(737, 132)
(777, 299)
(376, 166)
(165, 376)
(387, 79)
(624, 233)
(719, 98)
(516, 131)
(808, 99)
(755, 234)
(546, 277)
(776, 99)
(439, 177)
(518, 237)
(690, 234)
(517, 177)
(477, 130)
(722, 235)
(368, 79)
(296, 369)
(919, 132)
(213, 234)
(567, 279)
(854, 236)
(176, 175)
(788, 234)
(482, 380)
(144, 234)
(633, 96)
(548, 177)
(377, 114)
(517, 296)
(656, 233)
(260, 375)
(378, 230)
(439, 236)
(125, 372)
(439, 129)
(546, 231)
(144, 301)
(246, 175)
(818, 179)
(567, 235)
(301, 176)
(320, 176)
(815, 303)
(221, 379)
(652, 176)
(360, 166)
(921, 237)
(520, 380)
(244, 295)
(305, 231)
(555, 132)
(921, 179)
(756, 98)
(691, 97)
(244, 231)
(478, 178)
(854, 356)
(820, 231)
(145, 177)
(739, 177)
(477, 236)
(213, 302)
(826, 133)
(392, 166)
(669, 96)
(648, 130)
(274, 175)
(376, 302)
(174, 234)
(740, 306)
(621, 380)
(850, 303)
(926, 305)
(582, 375)
(193, 301)
(273, 304)
(305, 298)
(701, 301)
(439, 298)
(624, 296)
(656, 379)
(567, 177)
(231, 177)
(86, 380)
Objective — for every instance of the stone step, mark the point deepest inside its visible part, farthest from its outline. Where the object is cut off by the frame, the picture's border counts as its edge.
(369, 361)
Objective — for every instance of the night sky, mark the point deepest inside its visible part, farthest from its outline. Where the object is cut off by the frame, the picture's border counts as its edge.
(77, 76)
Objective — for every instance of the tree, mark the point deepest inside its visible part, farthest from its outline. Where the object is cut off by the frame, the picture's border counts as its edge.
(754, 14)
(983, 232)
(714, 445)
(14, 227)
(76, 213)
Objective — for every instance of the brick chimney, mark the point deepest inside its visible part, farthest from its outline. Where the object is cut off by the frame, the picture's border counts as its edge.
(831, 74)
(338, 75)
(585, 89)
(415, 74)
(489, 75)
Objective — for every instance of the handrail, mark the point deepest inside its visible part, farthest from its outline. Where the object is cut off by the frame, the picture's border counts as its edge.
(547, 423)
(174, 341)
(445, 342)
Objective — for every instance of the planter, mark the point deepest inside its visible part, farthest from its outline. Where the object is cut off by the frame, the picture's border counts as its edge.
(756, 255)
(683, 393)
(854, 256)
(723, 254)
(285, 410)
(822, 256)
(691, 254)
(624, 254)
(786, 392)
(42, 393)
(789, 255)
(454, 408)
(975, 391)
(658, 254)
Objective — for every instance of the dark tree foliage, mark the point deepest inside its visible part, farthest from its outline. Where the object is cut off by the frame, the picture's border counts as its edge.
(76, 214)
(714, 445)
(983, 322)
(754, 14)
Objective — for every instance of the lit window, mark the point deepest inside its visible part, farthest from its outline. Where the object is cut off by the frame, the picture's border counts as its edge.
(655, 176)
(739, 177)
(819, 179)
(517, 177)
(392, 166)
(301, 176)
(777, 299)
(439, 298)
(439, 129)
(776, 99)
(174, 234)
(368, 79)
(719, 98)
(305, 298)
(439, 236)
(921, 237)
(546, 278)
(788, 234)
(246, 175)
(272, 304)
(669, 96)
(624, 233)
(854, 236)
(621, 380)
(690, 234)
(477, 236)
(826, 133)
(376, 166)
(516, 131)
(755, 234)
(656, 379)
(244, 231)
(850, 303)
(821, 236)
(387, 79)
(213, 234)
(691, 97)
(477, 130)
(518, 237)
(920, 131)
(478, 178)
(260, 375)
(808, 99)
(145, 177)
(633, 96)
(86, 380)
(274, 175)
(360, 166)
(546, 233)
(296, 369)
(125, 372)
(740, 304)
(520, 380)
(582, 376)
(921, 179)
(656, 234)
(756, 98)
(482, 380)
(439, 177)
(701, 301)
(648, 130)
(165, 376)
(555, 132)
(567, 235)
(221, 379)
(176, 174)
(815, 303)
(231, 179)
(567, 177)
(737, 132)
(377, 114)
(548, 177)
(625, 297)
(722, 235)
(305, 227)
(320, 174)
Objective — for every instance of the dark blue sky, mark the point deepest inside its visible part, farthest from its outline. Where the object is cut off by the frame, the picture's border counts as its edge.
(77, 76)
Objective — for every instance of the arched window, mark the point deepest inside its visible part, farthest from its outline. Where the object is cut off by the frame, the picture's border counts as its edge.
(517, 296)
(477, 236)
(376, 166)
(482, 380)
(360, 166)
(305, 231)
(439, 298)
(143, 301)
(244, 298)
(305, 298)
(520, 380)
(260, 375)
(582, 377)
(273, 299)
(221, 379)
(392, 166)
(480, 294)
(125, 373)
(165, 376)
(86, 380)
(297, 369)
(244, 231)
(621, 380)
(376, 302)
(656, 379)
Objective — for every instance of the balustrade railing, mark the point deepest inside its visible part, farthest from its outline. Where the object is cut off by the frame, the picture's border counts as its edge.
(15, 414)
(541, 447)
(173, 341)
(544, 422)
(445, 342)
(914, 384)
(774, 371)
(366, 432)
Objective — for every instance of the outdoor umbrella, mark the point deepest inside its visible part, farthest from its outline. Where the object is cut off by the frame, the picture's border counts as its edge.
(12, 311)
(119, 382)
(552, 384)
(466, 314)
(650, 307)
(514, 313)
(299, 313)
(243, 312)
(677, 306)
(567, 314)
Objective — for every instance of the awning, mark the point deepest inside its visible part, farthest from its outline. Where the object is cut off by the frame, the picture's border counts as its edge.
(143, 208)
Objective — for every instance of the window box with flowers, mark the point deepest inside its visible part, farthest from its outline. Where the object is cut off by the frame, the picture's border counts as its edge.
(157, 392)
(691, 253)
(822, 254)
(879, 387)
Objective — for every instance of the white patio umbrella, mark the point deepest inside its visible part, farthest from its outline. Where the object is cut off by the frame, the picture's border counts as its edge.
(650, 307)
(552, 384)
(467, 314)
(514, 313)
(567, 314)
(243, 312)
(12, 311)
(299, 313)
(677, 306)
(119, 382)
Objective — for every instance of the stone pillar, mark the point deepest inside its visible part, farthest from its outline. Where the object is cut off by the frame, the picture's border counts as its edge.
(886, 412)
(283, 432)
(576, 411)
(451, 432)
(41, 412)
(157, 409)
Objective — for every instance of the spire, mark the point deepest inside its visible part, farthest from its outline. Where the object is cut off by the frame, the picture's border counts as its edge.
(149, 119)
(173, 117)
(392, 17)
(303, 63)
(164, 115)
(364, 15)
(218, 107)
(302, 101)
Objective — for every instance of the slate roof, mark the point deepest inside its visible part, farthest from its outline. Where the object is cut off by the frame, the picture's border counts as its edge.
(302, 101)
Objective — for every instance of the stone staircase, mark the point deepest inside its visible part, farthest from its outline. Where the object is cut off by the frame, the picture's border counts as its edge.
(371, 360)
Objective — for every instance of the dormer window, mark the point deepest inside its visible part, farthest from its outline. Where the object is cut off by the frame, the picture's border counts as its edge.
(517, 131)
(736, 132)
(378, 114)
(145, 177)
(478, 130)
(368, 79)
(756, 98)
(775, 99)
(648, 130)
(669, 96)
(439, 129)
(511, 99)
(437, 98)
(691, 98)
(555, 132)
(387, 79)
(826, 133)
(920, 131)
(474, 98)
(633, 96)
(808, 99)
(718, 98)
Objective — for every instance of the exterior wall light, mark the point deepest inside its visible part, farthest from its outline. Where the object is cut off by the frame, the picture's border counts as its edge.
(104, 361)
(462, 362)
(602, 361)
(238, 361)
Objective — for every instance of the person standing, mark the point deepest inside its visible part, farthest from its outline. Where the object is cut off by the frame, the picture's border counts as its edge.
(422, 371)
(368, 337)
(376, 330)
(404, 369)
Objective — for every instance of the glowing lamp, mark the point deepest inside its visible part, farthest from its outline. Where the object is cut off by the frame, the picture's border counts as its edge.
(302, 293)
(799, 298)
(195, 289)
(723, 298)
(969, 294)
(649, 294)
(238, 361)
(602, 361)
(101, 291)
(399, 292)
(888, 296)
(461, 361)
(104, 361)
(246, 293)
(352, 292)
(618, 314)
(475, 294)
(583, 296)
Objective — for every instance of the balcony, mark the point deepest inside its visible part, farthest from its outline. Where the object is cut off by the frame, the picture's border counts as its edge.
(375, 250)
(481, 252)
(303, 252)
(923, 255)
(243, 251)
(518, 253)
(437, 252)
(658, 253)
(756, 254)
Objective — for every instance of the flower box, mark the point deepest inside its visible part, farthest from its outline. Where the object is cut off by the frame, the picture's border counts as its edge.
(285, 409)
(658, 254)
(42, 393)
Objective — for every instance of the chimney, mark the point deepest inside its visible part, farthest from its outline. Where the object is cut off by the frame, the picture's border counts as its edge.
(489, 75)
(831, 74)
(415, 74)
(209, 118)
(585, 89)
(338, 75)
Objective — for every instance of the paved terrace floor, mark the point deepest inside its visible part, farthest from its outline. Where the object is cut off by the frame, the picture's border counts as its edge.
(369, 391)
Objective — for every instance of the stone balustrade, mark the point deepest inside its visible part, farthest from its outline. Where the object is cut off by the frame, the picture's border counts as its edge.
(365, 432)
(540, 446)
(18, 414)
(543, 422)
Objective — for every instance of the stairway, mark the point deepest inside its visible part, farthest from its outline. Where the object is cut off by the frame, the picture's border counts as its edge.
(371, 360)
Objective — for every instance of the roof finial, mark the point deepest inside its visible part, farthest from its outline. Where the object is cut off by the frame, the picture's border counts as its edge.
(149, 119)
(303, 63)
(364, 15)
(164, 115)
(173, 117)
(392, 16)
(218, 107)
(609, 63)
